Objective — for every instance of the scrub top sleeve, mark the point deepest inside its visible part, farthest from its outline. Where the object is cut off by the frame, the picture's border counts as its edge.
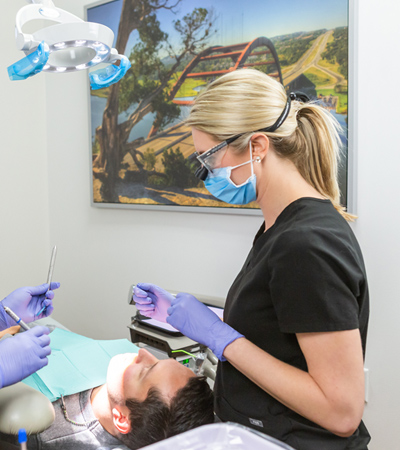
(315, 282)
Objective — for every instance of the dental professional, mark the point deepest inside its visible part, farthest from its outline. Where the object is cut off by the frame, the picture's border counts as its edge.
(25, 353)
(292, 343)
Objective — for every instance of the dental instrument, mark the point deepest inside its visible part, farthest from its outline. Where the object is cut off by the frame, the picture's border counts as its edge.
(51, 267)
(70, 45)
(164, 341)
(50, 274)
(195, 362)
(16, 318)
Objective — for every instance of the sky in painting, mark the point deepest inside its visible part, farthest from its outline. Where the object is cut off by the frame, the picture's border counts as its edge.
(238, 21)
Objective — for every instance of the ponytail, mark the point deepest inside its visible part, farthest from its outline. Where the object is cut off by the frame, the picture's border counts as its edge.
(314, 148)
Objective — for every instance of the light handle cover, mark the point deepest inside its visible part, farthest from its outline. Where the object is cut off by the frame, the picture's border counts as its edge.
(112, 74)
(30, 65)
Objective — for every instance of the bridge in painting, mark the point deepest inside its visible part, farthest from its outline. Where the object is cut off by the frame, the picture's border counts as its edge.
(259, 52)
(240, 56)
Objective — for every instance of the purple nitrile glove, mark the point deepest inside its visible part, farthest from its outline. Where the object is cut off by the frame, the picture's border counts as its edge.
(26, 302)
(152, 301)
(23, 354)
(196, 321)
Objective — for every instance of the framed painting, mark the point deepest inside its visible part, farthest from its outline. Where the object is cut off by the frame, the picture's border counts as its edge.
(140, 143)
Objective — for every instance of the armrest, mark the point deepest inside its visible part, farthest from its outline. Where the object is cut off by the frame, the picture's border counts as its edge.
(23, 407)
(9, 331)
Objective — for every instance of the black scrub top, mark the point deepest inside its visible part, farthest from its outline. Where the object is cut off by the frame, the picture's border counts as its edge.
(304, 274)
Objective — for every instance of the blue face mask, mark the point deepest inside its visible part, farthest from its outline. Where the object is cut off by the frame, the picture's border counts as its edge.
(220, 185)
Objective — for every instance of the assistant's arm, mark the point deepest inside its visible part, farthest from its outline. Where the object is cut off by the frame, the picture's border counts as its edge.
(330, 394)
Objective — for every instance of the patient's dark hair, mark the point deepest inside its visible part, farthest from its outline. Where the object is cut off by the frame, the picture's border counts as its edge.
(154, 419)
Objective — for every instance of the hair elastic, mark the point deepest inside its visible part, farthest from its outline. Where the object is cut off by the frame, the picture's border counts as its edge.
(299, 96)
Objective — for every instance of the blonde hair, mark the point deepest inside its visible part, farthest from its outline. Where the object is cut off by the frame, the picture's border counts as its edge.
(247, 100)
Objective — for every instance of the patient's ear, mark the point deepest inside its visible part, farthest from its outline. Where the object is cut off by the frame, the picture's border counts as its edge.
(121, 421)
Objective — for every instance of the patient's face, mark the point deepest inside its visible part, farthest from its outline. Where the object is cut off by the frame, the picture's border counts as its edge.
(131, 375)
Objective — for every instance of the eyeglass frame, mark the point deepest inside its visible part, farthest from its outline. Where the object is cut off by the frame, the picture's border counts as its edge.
(204, 169)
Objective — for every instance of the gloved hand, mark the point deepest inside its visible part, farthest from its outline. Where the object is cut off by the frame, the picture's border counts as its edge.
(196, 321)
(152, 301)
(23, 354)
(26, 302)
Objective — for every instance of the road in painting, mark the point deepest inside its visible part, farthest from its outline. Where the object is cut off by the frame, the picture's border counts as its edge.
(140, 144)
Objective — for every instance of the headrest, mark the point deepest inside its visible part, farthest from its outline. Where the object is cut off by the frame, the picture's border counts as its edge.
(24, 407)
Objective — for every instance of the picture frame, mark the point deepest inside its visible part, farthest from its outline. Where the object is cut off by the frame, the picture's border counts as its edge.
(148, 161)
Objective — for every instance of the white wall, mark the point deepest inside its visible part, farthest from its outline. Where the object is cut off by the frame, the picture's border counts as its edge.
(379, 210)
(24, 218)
(103, 251)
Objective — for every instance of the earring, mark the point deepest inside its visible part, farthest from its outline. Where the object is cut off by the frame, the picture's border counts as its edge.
(258, 159)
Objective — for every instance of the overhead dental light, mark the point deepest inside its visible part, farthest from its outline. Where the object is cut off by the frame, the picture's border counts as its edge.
(70, 45)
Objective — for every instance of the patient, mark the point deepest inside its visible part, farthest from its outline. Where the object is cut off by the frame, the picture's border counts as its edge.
(143, 401)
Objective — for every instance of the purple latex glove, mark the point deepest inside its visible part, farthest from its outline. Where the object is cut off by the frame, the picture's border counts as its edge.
(26, 302)
(196, 321)
(23, 354)
(152, 301)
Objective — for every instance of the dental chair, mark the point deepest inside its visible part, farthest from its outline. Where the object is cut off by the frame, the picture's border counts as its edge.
(24, 407)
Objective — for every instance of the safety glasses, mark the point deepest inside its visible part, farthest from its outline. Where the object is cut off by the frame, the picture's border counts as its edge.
(211, 159)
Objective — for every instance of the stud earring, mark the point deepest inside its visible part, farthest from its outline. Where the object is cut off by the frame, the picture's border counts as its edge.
(258, 159)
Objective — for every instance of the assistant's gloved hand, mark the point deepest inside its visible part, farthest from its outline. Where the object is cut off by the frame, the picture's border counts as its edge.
(196, 321)
(152, 301)
(23, 354)
(26, 302)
